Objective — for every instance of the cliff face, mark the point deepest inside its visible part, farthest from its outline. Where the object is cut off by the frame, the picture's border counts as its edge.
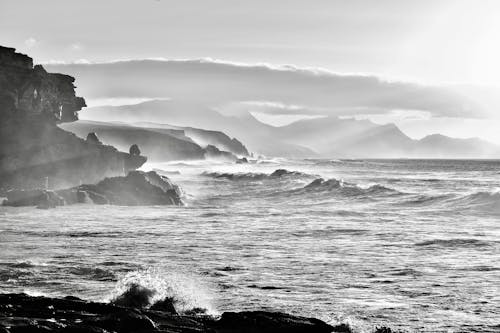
(33, 150)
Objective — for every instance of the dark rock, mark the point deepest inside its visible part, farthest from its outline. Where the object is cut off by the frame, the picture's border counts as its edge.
(92, 138)
(243, 160)
(23, 313)
(134, 150)
(137, 188)
(384, 329)
(135, 296)
(166, 305)
(126, 320)
(32, 146)
(269, 322)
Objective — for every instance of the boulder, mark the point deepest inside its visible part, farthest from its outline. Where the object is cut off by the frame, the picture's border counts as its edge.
(137, 188)
(92, 138)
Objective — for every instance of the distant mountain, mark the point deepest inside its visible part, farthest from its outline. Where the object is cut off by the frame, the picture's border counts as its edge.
(441, 146)
(257, 136)
(158, 144)
(334, 137)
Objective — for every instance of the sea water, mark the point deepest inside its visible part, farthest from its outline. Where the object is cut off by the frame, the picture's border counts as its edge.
(410, 244)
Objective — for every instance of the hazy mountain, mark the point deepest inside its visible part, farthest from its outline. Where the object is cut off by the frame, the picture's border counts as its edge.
(441, 146)
(320, 137)
(257, 136)
(334, 137)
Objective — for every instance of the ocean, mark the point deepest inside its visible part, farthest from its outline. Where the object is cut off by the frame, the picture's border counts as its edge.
(410, 244)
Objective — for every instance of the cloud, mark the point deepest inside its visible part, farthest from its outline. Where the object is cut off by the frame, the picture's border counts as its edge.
(284, 89)
(30, 42)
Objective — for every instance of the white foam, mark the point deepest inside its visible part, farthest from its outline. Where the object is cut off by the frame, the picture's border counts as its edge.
(188, 291)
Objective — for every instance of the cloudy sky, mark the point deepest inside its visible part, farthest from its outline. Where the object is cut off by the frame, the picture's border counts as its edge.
(440, 49)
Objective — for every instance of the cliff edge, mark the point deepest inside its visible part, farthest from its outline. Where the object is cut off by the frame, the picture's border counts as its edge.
(34, 151)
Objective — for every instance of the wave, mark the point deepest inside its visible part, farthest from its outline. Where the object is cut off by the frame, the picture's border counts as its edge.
(481, 201)
(154, 286)
(235, 176)
(454, 243)
(427, 199)
(255, 176)
(482, 198)
(95, 273)
(347, 189)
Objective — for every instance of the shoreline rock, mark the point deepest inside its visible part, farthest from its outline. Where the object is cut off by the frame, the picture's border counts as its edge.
(24, 313)
(137, 188)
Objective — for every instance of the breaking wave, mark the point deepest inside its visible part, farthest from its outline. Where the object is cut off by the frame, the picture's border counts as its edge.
(346, 189)
(148, 287)
(254, 176)
(488, 200)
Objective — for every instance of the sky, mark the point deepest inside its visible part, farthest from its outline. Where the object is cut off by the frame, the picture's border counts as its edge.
(451, 43)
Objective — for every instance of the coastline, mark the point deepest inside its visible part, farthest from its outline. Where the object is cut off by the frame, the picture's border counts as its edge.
(24, 313)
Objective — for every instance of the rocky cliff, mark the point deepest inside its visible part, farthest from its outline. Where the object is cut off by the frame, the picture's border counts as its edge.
(34, 152)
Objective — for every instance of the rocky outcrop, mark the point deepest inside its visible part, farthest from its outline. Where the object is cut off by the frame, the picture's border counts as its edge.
(23, 313)
(137, 188)
(212, 152)
(33, 149)
(28, 91)
(218, 139)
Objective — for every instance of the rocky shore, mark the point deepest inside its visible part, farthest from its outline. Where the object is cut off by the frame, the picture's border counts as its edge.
(137, 188)
(24, 313)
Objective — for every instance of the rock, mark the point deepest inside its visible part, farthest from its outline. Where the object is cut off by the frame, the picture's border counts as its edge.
(166, 305)
(23, 313)
(137, 188)
(92, 138)
(212, 152)
(41, 198)
(269, 322)
(243, 160)
(135, 296)
(134, 150)
(126, 320)
(32, 146)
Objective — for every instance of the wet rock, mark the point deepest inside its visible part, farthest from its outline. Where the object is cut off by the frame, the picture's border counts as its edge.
(135, 296)
(166, 305)
(23, 313)
(137, 188)
(125, 320)
(269, 322)
(242, 160)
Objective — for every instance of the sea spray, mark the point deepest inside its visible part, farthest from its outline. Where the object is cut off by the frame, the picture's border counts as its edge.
(154, 285)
